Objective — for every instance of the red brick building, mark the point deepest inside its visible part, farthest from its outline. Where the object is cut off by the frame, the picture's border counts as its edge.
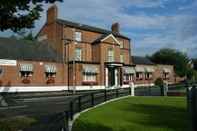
(73, 56)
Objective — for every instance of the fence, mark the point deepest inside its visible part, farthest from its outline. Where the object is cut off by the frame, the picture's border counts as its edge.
(55, 117)
(60, 121)
(149, 91)
(192, 106)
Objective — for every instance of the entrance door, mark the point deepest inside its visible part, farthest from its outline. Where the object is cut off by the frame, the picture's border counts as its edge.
(111, 76)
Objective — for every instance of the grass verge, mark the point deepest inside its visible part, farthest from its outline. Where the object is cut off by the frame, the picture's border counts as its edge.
(136, 114)
(16, 123)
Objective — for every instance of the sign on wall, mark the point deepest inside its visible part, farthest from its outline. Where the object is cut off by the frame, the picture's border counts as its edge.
(4, 62)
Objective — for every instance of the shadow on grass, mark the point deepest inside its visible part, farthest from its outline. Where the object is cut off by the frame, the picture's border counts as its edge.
(85, 126)
(170, 117)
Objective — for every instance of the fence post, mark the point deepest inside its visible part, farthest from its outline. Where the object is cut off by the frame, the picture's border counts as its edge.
(92, 99)
(117, 92)
(132, 89)
(66, 121)
(105, 94)
(194, 107)
(162, 90)
(79, 103)
(189, 102)
(71, 110)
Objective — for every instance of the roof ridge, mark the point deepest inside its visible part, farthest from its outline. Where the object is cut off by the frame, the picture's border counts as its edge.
(89, 27)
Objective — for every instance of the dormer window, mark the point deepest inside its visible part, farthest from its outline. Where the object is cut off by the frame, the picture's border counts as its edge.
(78, 36)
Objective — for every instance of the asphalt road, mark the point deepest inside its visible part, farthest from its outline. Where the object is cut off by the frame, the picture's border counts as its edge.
(36, 106)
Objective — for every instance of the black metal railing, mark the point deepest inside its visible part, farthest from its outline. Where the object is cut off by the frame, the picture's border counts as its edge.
(60, 121)
(192, 106)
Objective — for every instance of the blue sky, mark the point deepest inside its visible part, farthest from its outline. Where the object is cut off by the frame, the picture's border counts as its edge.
(151, 24)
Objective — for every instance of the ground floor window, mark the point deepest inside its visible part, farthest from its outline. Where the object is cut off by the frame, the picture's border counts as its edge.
(139, 76)
(50, 73)
(166, 76)
(90, 74)
(89, 77)
(148, 76)
(26, 71)
(128, 78)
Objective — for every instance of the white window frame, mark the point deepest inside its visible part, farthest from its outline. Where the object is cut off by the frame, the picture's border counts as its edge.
(140, 77)
(148, 75)
(89, 77)
(128, 77)
(121, 58)
(78, 54)
(110, 55)
(78, 36)
(121, 44)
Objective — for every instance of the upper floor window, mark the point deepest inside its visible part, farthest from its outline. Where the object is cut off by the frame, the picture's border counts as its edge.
(78, 56)
(110, 55)
(121, 58)
(121, 44)
(78, 36)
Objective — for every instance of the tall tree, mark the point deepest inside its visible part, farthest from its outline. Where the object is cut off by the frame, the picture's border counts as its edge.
(174, 57)
(18, 14)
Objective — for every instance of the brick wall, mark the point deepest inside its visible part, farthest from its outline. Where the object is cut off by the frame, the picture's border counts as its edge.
(11, 74)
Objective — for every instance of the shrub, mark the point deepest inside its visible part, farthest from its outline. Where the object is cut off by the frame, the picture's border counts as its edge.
(159, 82)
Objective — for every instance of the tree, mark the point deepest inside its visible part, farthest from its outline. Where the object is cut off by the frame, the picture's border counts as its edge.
(159, 82)
(29, 36)
(194, 64)
(18, 14)
(173, 57)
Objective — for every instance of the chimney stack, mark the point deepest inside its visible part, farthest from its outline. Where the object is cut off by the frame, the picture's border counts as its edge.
(115, 28)
(52, 13)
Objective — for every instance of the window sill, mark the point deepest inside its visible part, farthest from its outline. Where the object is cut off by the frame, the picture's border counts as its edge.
(89, 83)
(50, 81)
(127, 82)
(26, 81)
(138, 79)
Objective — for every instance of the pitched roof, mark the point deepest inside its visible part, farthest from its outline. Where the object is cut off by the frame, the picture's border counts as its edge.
(27, 50)
(89, 28)
(103, 37)
(139, 60)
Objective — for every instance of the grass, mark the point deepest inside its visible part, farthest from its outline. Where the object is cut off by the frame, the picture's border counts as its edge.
(16, 123)
(136, 114)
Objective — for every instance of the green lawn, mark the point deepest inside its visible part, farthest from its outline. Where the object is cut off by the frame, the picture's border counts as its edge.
(15, 123)
(136, 114)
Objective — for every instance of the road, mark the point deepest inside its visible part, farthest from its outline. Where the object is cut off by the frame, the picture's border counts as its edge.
(36, 106)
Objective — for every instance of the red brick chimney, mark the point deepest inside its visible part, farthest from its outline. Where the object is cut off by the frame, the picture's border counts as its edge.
(115, 28)
(52, 13)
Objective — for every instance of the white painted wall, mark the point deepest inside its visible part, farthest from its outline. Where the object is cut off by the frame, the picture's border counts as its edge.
(47, 88)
